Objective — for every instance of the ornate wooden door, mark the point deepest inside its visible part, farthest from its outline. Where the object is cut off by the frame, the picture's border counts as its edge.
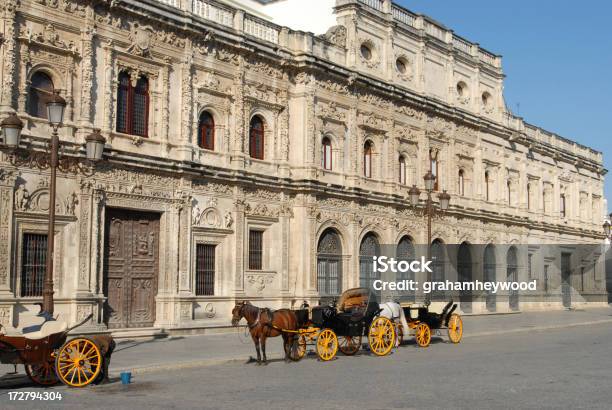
(131, 268)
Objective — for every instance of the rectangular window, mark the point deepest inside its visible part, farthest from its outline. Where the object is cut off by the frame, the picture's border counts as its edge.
(255, 250)
(546, 278)
(205, 270)
(33, 264)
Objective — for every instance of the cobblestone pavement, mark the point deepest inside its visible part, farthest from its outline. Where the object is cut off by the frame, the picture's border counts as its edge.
(555, 368)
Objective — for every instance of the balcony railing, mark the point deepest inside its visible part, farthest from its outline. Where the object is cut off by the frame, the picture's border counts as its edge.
(174, 3)
(375, 4)
(260, 29)
(403, 16)
(213, 13)
(462, 45)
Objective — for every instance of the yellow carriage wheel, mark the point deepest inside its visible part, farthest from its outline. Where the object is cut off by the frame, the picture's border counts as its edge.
(298, 350)
(455, 328)
(349, 345)
(78, 362)
(42, 374)
(423, 334)
(327, 345)
(381, 336)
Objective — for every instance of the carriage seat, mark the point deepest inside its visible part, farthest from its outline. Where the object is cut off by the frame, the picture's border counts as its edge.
(47, 329)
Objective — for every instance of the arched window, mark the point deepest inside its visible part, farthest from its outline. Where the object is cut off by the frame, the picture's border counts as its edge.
(562, 206)
(369, 247)
(256, 138)
(402, 170)
(367, 160)
(133, 106)
(405, 252)
(433, 166)
(461, 182)
(326, 154)
(41, 88)
(206, 131)
(487, 192)
(329, 264)
(512, 276)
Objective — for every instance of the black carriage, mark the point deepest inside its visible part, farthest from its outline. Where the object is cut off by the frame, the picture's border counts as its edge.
(342, 325)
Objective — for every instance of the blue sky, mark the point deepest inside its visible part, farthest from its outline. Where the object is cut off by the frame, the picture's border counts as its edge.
(557, 56)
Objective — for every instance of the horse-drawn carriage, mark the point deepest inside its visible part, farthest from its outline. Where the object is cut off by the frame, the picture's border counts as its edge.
(417, 318)
(339, 326)
(48, 358)
(342, 325)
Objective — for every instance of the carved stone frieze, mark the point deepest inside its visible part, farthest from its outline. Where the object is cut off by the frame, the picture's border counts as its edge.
(38, 201)
(259, 282)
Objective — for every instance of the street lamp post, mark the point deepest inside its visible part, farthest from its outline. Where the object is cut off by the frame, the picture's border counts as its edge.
(429, 210)
(50, 159)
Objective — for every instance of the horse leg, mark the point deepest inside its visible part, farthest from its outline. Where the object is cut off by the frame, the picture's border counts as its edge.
(256, 341)
(287, 339)
(263, 348)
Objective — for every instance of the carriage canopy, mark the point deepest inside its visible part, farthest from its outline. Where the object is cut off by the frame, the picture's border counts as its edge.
(356, 298)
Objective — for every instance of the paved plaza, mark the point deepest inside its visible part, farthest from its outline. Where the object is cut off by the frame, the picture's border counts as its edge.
(534, 363)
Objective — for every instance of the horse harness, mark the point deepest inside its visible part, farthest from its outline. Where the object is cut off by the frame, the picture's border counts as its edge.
(270, 314)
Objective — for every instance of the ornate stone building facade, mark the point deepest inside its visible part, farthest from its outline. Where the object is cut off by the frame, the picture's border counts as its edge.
(248, 160)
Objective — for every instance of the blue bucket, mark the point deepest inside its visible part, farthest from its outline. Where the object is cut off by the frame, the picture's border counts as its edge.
(126, 377)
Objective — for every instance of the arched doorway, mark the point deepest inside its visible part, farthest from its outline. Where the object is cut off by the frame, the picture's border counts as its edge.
(438, 265)
(405, 252)
(489, 275)
(464, 272)
(369, 247)
(329, 264)
(512, 276)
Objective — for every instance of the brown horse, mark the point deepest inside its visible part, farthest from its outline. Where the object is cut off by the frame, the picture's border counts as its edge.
(264, 323)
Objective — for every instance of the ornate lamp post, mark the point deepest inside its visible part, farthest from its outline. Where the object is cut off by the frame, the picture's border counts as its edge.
(50, 159)
(429, 210)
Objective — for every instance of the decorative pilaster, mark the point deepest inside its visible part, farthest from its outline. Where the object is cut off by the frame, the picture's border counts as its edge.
(238, 145)
(9, 70)
(87, 74)
(7, 188)
(85, 214)
(186, 136)
(25, 64)
(240, 222)
(109, 86)
(185, 282)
